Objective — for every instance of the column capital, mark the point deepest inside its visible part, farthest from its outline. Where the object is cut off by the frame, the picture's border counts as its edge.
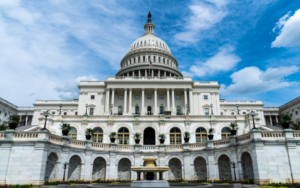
(112, 89)
(125, 89)
(143, 89)
(173, 89)
(168, 89)
(130, 89)
(107, 89)
(191, 89)
(100, 92)
(184, 89)
(155, 89)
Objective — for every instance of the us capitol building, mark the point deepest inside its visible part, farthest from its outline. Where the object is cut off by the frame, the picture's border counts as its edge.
(149, 95)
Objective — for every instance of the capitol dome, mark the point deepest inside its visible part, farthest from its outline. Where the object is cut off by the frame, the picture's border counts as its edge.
(146, 49)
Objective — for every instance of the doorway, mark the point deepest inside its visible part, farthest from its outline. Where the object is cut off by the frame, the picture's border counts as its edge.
(149, 136)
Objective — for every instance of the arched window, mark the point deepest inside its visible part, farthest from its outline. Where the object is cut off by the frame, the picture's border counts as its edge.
(73, 133)
(178, 110)
(232, 113)
(226, 132)
(123, 136)
(65, 113)
(201, 135)
(98, 135)
(149, 110)
(120, 110)
(137, 110)
(161, 109)
(175, 136)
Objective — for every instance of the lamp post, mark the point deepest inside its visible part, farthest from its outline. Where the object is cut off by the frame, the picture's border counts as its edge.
(186, 107)
(212, 112)
(111, 109)
(60, 108)
(238, 112)
(65, 167)
(86, 106)
(253, 114)
(46, 115)
(233, 166)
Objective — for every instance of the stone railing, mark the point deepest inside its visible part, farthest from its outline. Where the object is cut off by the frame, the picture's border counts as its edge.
(197, 145)
(149, 148)
(55, 139)
(125, 148)
(272, 135)
(2, 136)
(175, 117)
(100, 146)
(244, 137)
(199, 117)
(221, 142)
(25, 135)
(174, 147)
(78, 143)
(225, 117)
(296, 135)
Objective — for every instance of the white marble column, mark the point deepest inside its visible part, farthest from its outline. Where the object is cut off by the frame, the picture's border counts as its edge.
(112, 99)
(27, 120)
(168, 99)
(130, 101)
(158, 74)
(191, 101)
(125, 101)
(139, 73)
(165, 74)
(107, 102)
(271, 120)
(173, 102)
(143, 102)
(152, 73)
(155, 101)
(199, 104)
(132, 73)
(276, 120)
(185, 101)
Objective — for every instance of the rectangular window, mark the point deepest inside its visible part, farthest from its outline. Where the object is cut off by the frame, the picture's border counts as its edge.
(120, 97)
(149, 58)
(161, 97)
(134, 60)
(144, 58)
(139, 59)
(137, 97)
(177, 97)
(130, 61)
(92, 96)
(244, 113)
(163, 60)
(159, 59)
(76, 113)
(149, 96)
(221, 113)
(206, 111)
(205, 97)
(153, 58)
(91, 111)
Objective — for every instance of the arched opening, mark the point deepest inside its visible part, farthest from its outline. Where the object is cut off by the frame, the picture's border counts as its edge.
(124, 169)
(247, 166)
(73, 133)
(149, 136)
(175, 136)
(51, 167)
(149, 110)
(98, 135)
(178, 110)
(224, 168)
(74, 168)
(99, 169)
(123, 136)
(200, 168)
(175, 171)
(225, 132)
(201, 135)
(120, 110)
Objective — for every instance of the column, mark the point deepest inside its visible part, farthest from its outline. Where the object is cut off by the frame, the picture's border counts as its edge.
(20, 118)
(130, 101)
(173, 102)
(165, 74)
(186, 165)
(218, 111)
(27, 120)
(199, 104)
(125, 101)
(143, 101)
(152, 73)
(155, 101)
(158, 74)
(185, 101)
(271, 120)
(139, 73)
(132, 73)
(113, 99)
(276, 120)
(107, 102)
(191, 101)
(127, 74)
(168, 99)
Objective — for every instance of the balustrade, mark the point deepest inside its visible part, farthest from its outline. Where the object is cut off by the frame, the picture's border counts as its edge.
(221, 142)
(77, 142)
(243, 138)
(22, 135)
(273, 134)
(197, 145)
(125, 148)
(149, 148)
(174, 147)
(55, 139)
(100, 146)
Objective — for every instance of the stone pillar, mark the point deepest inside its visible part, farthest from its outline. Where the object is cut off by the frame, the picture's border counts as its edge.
(5, 154)
(27, 120)
(87, 165)
(191, 101)
(271, 120)
(158, 74)
(155, 101)
(276, 120)
(186, 165)
(130, 101)
(152, 73)
(139, 73)
(185, 101)
(132, 73)
(113, 167)
(107, 102)
(125, 101)
(165, 74)
(173, 102)
(168, 99)
(143, 102)
(113, 98)
(20, 118)
(211, 173)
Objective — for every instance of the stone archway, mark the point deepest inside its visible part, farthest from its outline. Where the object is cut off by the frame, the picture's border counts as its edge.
(99, 169)
(200, 168)
(175, 169)
(124, 169)
(51, 167)
(224, 168)
(74, 168)
(149, 136)
(247, 166)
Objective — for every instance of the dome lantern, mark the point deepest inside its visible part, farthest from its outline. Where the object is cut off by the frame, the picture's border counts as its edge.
(149, 26)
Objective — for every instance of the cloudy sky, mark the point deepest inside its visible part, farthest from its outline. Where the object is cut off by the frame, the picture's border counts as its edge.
(251, 47)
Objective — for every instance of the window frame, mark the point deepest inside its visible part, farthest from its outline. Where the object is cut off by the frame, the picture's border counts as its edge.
(201, 136)
(205, 97)
(225, 135)
(97, 135)
(159, 97)
(206, 112)
(72, 135)
(120, 97)
(91, 111)
(124, 136)
(137, 97)
(149, 96)
(175, 137)
(177, 97)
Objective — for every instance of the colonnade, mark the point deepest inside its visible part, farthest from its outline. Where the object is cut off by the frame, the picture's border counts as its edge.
(270, 118)
(156, 112)
(149, 73)
(146, 59)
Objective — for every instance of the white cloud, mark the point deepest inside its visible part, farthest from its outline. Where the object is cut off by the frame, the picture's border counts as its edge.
(282, 21)
(290, 33)
(69, 90)
(225, 60)
(252, 80)
(204, 16)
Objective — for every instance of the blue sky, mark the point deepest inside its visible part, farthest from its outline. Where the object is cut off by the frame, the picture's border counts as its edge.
(250, 47)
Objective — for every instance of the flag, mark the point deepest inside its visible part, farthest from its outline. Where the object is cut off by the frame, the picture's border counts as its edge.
(151, 64)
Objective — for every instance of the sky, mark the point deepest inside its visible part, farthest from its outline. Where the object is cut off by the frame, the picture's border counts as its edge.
(251, 47)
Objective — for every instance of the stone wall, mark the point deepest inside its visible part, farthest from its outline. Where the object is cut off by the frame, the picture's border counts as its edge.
(51, 167)
(74, 168)
(175, 169)
(99, 169)
(124, 169)
(224, 168)
(200, 170)
(247, 166)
